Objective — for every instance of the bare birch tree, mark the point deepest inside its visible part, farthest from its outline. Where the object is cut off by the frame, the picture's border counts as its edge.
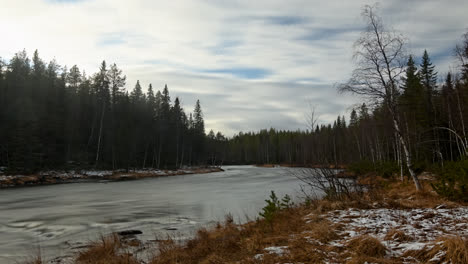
(380, 61)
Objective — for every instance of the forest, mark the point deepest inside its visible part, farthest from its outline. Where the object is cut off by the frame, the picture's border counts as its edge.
(54, 117)
(432, 109)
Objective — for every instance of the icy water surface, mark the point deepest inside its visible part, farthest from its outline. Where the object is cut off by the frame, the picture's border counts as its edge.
(51, 217)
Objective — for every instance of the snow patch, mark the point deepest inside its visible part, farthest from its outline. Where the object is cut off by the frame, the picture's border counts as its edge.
(421, 226)
(276, 250)
(97, 173)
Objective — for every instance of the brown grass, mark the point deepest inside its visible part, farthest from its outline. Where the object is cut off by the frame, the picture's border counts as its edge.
(366, 245)
(108, 250)
(322, 231)
(403, 195)
(447, 249)
(397, 235)
(230, 243)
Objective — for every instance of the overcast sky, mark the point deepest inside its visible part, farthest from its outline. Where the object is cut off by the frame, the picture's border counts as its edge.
(253, 64)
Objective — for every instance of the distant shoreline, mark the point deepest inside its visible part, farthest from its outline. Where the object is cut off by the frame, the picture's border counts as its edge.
(329, 166)
(76, 176)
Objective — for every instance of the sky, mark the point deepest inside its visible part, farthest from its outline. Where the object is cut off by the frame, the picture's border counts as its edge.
(253, 64)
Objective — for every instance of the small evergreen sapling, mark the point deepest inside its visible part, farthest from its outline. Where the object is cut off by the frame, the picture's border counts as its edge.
(274, 205)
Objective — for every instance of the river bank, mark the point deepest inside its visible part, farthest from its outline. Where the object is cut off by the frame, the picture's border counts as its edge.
(313, 166)
(60, 217)
(393, 223)
(72, 176)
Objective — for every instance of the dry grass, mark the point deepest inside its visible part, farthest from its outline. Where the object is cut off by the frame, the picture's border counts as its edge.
(397, 235)
(403, 195)
(444, 250)
(322, 231)
(108, 250)
(367, 246)
(231, 243)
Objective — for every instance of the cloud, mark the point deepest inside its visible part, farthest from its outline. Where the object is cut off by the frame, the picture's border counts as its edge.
(242, 72)
(111, 39)
(253, 64)
(64, 1)
(276, 20)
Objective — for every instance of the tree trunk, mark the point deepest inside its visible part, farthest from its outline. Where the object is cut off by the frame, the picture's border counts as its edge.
(409, 163)
(182, 155)
(100, 134)
(145, 156)
(462, 119)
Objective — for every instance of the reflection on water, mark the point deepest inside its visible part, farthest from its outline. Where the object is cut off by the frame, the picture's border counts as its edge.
(52, 216)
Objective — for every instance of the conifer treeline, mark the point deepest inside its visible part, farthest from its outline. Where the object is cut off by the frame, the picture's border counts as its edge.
(433, 110)
(52, 117)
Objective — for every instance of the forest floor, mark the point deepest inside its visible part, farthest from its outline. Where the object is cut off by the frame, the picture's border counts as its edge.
(391, 223)
(57, 177)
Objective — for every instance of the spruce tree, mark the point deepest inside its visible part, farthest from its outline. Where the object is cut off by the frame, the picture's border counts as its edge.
(428, 77)
(117, 83)
(199, 123)
(414, 98)
(428, 73)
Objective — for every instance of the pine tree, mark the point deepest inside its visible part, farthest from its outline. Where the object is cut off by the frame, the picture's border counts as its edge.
(428, 80)
(101, 86)
(151, 101)
(363, 112)
(428, 74)
(117, 83)
(199, 123)
(414, 98)
(137, 94)
(353, 120)
(74, 78)
(198, 132)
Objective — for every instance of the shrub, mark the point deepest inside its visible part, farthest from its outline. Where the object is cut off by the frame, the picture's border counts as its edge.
(452, 180)
(274, 205)
(326, 183)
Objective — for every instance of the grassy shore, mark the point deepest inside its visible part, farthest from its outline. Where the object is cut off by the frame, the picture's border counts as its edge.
(58, 177)
(391, 223)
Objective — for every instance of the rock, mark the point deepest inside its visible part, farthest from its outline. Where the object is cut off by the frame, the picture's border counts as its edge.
(170, 228)
(129, 233)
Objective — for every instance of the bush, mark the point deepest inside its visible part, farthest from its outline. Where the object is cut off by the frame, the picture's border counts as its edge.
(452, 180)
(326, 183)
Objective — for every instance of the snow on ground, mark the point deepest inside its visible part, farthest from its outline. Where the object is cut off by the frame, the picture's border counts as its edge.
(276, 250)
(421, 226)
(52, 176)
(155, 172)
(279, 250)
(4, 178)
(97, 173)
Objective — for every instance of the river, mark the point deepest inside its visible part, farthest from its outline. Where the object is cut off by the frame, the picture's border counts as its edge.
(51, 217)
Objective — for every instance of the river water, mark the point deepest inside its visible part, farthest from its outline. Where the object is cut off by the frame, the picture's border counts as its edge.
(51, 217)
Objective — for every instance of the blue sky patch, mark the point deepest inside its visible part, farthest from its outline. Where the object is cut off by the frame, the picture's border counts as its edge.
(285, 20)
(242, 72)
(326, 33)
(225, 46)
(111, 39)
